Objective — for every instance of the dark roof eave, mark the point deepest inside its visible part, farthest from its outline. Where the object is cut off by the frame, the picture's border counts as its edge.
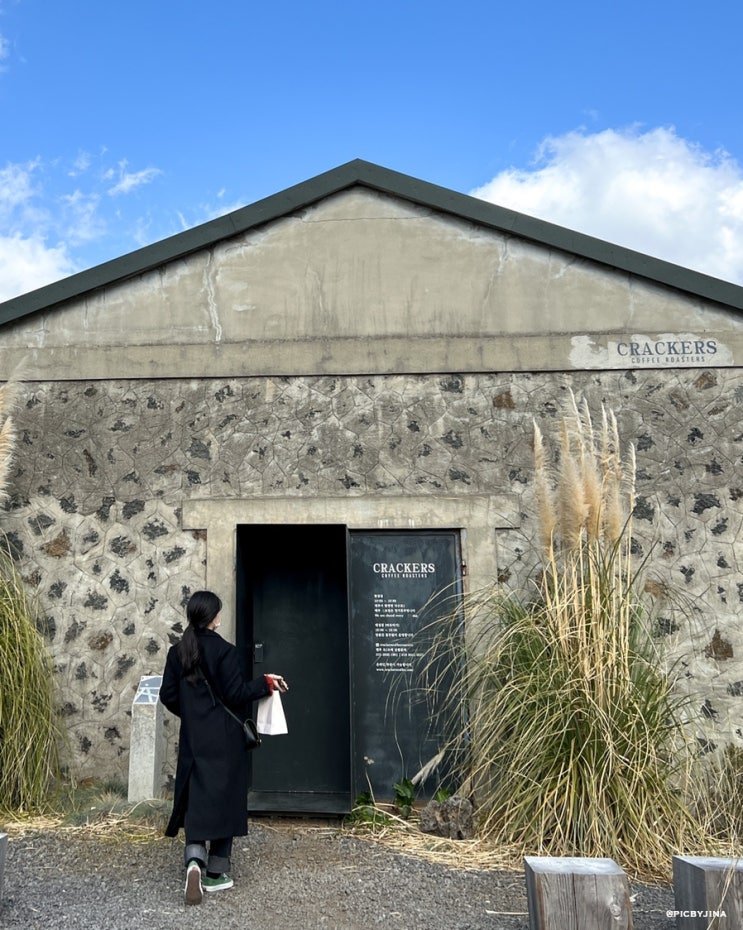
(403, 186)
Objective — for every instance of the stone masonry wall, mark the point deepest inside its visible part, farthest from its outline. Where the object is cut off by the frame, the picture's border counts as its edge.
(103, 469)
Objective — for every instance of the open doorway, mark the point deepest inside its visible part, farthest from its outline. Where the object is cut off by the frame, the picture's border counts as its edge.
(293, 619)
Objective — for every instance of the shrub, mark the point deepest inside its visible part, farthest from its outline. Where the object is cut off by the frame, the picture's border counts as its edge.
(576, 743)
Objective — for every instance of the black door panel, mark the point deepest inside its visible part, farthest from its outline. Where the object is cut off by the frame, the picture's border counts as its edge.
(295, 624)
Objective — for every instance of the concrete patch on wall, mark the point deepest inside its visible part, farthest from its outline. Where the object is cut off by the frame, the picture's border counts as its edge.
(662, 350)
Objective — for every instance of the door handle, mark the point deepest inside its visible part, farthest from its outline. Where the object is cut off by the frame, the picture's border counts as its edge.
(257, 652)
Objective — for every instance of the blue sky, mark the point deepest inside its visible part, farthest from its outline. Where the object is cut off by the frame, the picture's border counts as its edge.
(123, 123)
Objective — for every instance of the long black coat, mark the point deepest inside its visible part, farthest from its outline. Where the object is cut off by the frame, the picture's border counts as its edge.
(211, 781)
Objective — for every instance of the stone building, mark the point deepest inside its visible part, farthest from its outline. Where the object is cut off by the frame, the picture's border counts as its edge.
(343, 377)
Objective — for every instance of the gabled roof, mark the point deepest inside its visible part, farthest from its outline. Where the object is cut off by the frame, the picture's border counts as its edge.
(365, 174)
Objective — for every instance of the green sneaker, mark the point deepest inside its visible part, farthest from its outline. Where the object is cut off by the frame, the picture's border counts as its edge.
(193, 891)
(221, 883)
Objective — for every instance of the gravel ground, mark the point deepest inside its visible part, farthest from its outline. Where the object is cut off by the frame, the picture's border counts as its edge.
(288, 876)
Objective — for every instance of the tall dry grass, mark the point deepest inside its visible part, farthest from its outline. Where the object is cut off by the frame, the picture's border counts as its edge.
(576, 742)
(29, 729)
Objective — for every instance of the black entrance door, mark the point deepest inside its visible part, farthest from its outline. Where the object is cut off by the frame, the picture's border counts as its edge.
(293, 620)
(345, 618)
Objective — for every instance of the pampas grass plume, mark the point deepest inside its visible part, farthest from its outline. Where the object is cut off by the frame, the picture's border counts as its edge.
(571, 498)
(546, 516)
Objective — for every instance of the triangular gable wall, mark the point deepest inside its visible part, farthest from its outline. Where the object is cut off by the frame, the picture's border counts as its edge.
(362, 270)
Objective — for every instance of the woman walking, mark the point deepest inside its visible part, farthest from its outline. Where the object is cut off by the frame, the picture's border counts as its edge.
(211, 782)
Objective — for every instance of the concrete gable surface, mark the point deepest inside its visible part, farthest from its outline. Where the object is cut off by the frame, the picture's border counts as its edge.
(360, 282)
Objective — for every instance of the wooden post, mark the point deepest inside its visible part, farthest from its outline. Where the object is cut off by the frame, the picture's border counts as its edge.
(708, 893)
(577, 893)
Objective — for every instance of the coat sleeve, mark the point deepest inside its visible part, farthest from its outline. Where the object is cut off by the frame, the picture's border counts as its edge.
(170, 687)
(237, 691)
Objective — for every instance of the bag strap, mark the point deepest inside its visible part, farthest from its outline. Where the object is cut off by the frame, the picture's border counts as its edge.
(215, 700)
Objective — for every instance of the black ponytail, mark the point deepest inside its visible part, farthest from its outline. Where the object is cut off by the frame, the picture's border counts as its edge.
(202, 608)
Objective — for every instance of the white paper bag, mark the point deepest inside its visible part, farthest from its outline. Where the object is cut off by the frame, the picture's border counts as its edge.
(271, 720)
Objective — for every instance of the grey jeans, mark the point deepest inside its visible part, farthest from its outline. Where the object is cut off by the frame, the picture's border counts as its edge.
(216, 859)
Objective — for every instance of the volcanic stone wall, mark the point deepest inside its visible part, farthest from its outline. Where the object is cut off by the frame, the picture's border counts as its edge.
(104, 467)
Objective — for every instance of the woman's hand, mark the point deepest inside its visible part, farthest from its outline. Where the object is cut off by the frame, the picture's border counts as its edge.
(278, 682)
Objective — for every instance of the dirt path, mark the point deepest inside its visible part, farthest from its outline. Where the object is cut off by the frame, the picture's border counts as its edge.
(290, 876)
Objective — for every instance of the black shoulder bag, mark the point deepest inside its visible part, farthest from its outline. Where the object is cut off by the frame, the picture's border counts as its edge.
(250, 731)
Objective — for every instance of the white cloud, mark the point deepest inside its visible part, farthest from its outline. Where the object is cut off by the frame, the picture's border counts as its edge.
(16, 187)
(209, 211)
(81, 164)
(28, 262)
(45, 223)
(83, 222)
(129, 180)
(650, 191)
